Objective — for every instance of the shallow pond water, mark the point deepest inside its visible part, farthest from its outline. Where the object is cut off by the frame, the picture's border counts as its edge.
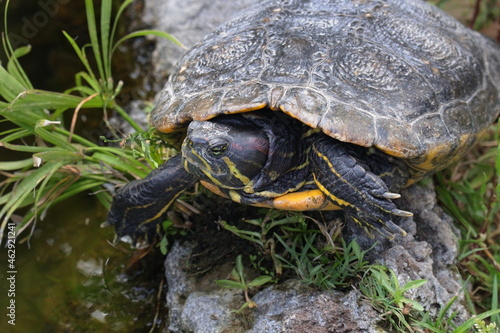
(71, 279)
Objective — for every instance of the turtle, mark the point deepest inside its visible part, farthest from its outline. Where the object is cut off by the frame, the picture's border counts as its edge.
(319, 105)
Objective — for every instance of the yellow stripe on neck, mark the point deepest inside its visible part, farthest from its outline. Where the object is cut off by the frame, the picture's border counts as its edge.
(235, 172)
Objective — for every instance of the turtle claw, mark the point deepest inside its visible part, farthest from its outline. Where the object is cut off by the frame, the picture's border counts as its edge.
(392, 229)
(385, 233)
(400, 212)
(115, 240)
(105, 224)
(390, 195)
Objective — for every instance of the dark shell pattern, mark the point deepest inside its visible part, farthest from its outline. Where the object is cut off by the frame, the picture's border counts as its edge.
(402, 76)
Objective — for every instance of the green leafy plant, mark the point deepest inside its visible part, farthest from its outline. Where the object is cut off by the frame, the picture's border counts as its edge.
(237, 280)
(474, 202)
(320, 266)
(442, 323)
(381, 287)
(59, 163)
(482, 327)
(470, 193)
(287, 222)
(477, 321)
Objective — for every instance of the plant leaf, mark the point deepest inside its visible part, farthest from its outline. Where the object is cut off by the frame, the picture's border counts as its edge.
(10, 87)
(16, 165)
(94, 38)
(141, 33)
(259, 281)
(414, 284)
(42, 99)
(16, 70)
(230, 284)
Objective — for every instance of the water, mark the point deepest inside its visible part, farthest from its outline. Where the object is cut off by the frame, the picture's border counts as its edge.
(71, 279)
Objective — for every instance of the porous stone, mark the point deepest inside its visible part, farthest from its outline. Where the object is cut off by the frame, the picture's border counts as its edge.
(197, 304)
(187, 20)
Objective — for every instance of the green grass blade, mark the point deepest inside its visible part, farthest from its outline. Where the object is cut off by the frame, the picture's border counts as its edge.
(41, 192)
(94, 38)
(16, 134)
(76, 188)
(89, 79)
(259, 281)
(465, 327)
(11, 54)
(118, 164)
(5, 40)
(41, 99)
(28, 149)
(123, 6)
(16, 165)
(10, 88)
(23, 189)
(80, 88)
(105, 48)
(230, 284)
(413, 284)
(59, 156)
(25, 119)
(494, 299)
(142, 33)
(78, 139)
(56, 139)
(83, 58)
(16, 70)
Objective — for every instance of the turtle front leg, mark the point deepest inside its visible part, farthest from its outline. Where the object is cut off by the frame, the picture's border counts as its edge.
(360, 193)
(140, 205)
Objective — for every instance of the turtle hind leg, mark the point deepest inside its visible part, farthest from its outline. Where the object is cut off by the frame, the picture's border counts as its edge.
(361, 193)
(140, 205)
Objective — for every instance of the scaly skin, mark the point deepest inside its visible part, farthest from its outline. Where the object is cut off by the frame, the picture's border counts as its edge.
(140, 205)
(254, 165)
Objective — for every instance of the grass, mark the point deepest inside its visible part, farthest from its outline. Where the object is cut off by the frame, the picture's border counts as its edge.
(59, 163)
(470, 193)
(320, 267)
(237, 280)
(381, 287)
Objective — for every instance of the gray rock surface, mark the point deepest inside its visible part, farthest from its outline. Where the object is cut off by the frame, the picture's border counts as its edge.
(189, 21)
(197, 304)
(289, 307)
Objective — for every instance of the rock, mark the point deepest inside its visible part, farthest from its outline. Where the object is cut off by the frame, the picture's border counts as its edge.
(189, 21)
(290, 307)
(135, 109)
(429, 253)
(178, 282)
(292, 310)
(197, 304)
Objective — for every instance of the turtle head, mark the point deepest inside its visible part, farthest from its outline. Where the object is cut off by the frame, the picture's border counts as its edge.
(227, 152)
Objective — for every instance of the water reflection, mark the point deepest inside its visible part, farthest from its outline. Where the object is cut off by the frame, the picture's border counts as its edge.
(70, 279)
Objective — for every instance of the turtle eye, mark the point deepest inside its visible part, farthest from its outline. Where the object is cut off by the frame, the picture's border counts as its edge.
(218, 147)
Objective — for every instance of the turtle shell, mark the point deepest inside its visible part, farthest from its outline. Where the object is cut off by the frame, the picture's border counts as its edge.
(401, 76)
